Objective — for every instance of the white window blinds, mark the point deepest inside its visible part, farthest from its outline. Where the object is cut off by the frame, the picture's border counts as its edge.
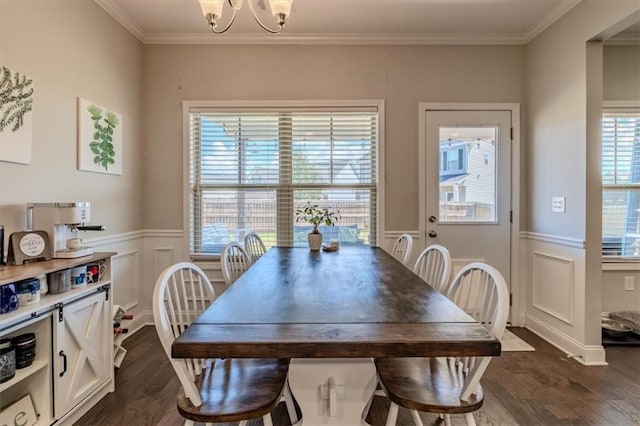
(251, 169)
(621, 185)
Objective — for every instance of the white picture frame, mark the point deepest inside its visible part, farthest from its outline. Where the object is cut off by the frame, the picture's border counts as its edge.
(16, 116)
(99, 139)
(21, 412)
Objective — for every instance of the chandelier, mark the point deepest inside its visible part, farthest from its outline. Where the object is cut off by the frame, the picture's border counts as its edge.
(212, 10)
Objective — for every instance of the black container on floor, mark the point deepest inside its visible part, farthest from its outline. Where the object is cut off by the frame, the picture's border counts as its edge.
(25, 346)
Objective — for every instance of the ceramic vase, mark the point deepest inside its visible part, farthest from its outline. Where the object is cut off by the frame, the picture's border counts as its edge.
(315, 241)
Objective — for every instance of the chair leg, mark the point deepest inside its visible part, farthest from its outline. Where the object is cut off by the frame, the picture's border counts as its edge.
(242, 423)
(393, 414)
(447, 420)
(367, 407)
(188, 422)
(291, 406)
(266, 420)
(416, 418)
(470, 420)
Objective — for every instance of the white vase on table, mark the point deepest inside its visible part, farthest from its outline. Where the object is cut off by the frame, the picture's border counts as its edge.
(315, 240)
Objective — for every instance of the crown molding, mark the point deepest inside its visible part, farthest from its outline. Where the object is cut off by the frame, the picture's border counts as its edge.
(118, 14)
(338, 39)
(342, 39)
(623, 40)
(549, 18)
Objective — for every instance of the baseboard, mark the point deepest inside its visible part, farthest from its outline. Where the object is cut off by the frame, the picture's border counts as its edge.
(140, 320)
(589, 355)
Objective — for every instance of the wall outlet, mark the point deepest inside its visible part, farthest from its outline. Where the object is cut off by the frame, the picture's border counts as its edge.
(629, 284)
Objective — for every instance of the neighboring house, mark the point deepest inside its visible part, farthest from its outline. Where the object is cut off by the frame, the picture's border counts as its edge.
(467, 179)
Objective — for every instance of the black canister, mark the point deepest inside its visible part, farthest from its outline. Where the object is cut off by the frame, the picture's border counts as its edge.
(7, 360)
(25, 346)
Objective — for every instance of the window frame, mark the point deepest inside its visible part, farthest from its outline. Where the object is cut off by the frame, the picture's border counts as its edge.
(613, 108)
(270, 106)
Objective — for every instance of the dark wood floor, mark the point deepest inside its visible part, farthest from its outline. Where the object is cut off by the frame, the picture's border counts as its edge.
(521, 388)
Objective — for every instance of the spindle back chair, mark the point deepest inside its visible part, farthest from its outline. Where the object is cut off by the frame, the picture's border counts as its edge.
(234, 261)
(402, 248)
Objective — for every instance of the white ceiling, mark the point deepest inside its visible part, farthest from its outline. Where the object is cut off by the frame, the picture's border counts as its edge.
(348, 21)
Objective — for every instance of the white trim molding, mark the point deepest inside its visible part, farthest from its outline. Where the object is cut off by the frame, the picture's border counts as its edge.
(554, 239)
(548, 19)
(621, 266)
(589, 355)
(205, 37)
(123, 19)
(553, 277)
(339, 39)
(416, 235)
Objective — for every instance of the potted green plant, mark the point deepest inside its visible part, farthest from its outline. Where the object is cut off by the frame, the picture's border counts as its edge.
(315, 215)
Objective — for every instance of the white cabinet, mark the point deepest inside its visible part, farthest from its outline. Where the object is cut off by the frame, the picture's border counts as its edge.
(73, 366)
(82, 359)
(36, 378)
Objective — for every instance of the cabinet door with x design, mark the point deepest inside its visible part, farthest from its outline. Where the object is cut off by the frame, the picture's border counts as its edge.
(81, 358)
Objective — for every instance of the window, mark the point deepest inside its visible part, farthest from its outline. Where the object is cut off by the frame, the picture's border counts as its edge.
(452, 158)
(468, 189)
(251, 168)
(621, 185)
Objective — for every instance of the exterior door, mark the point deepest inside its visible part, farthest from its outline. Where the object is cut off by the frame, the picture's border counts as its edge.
(468, 186)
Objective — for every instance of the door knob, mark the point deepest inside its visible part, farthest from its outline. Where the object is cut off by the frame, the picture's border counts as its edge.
(432, 233)
(432, 219)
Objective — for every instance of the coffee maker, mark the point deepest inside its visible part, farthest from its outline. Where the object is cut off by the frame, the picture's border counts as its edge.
(62, 221)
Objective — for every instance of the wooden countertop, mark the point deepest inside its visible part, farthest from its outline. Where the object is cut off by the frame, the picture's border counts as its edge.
(13, 273)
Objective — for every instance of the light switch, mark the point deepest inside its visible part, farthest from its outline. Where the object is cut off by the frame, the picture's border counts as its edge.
(558, 204)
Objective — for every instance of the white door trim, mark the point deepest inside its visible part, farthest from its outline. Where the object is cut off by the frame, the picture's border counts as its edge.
(517, 276)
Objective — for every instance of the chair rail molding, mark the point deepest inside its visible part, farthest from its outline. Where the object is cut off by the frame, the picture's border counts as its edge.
(553, 239)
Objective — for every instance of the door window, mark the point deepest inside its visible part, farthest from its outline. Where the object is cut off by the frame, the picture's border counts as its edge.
(468, 188)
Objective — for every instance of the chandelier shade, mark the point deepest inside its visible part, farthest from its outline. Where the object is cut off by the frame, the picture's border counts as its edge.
(212, 11)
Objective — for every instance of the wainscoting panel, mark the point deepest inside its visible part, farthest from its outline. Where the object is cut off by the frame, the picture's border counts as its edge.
(553, 286)
(554, 270)
(126, 279)
(163, 257)
(457, 264)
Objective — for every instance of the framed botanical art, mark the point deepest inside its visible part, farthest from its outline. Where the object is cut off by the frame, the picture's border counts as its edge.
(99, 139)
(16, 116)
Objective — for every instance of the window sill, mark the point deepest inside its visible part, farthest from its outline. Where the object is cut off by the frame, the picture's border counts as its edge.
(621, 265)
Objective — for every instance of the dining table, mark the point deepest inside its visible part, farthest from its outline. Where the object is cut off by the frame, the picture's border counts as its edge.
(331, 313)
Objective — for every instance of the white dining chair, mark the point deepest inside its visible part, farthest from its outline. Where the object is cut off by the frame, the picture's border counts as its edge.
(214, 390)
(402, 248)
(448, 385)
(254, 246)
(234, 261)
(434, 266)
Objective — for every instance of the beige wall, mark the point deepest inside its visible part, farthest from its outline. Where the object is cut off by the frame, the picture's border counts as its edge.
(401, 75)
(564, 94)
(72, 49)
(622, 73)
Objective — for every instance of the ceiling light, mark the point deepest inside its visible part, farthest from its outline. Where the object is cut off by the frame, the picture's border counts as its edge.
(212, 10)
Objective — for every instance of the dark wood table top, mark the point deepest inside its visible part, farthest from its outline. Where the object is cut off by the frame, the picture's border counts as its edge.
(355, 302)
